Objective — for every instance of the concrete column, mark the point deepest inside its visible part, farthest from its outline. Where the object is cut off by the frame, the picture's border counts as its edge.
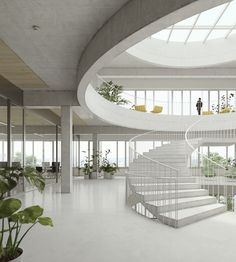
(95, 151)
(9, 134)
(66, 149)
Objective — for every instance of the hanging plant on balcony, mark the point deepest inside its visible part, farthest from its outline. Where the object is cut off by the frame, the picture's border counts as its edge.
(112, 93)
(16, 222)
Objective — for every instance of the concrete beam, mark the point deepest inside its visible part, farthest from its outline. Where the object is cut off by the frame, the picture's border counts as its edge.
(10, 91)
(48, 98)
(48, 115)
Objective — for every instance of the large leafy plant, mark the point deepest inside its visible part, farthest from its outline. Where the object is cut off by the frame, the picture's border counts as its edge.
(112, 92)
(106, 165)
(88, 164)
(15, 221)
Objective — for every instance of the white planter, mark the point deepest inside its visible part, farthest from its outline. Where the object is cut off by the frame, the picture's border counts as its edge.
(108, 175)
(18, 259)
(86, 176)
(93, 175)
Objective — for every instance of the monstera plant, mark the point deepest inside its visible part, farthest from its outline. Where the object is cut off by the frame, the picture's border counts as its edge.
(16, 222)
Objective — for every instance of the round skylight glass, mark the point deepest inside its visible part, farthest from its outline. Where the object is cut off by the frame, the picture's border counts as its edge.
(218, 22)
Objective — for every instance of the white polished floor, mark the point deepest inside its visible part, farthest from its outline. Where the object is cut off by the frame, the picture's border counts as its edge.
(93, 224)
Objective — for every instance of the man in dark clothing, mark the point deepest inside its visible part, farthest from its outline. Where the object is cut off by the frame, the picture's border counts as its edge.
(199, 106)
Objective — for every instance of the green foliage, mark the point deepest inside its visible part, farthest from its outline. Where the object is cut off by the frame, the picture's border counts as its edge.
(112, 93)
(106, 166)
(224, 103)
(12, 217)
(88, 164)
(208, 167)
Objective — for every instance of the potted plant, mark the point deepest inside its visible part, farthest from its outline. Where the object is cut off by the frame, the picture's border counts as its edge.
(16, 222)
(87, 168)
(109, 169)
(225, 105)
(112, 93)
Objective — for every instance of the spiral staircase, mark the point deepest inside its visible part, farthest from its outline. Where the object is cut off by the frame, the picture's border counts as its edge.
(160, 186)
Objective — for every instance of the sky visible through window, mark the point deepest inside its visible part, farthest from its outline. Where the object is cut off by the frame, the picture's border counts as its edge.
(215, 23)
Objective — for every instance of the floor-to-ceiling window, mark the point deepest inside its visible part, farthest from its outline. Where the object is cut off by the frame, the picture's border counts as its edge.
(181, 102)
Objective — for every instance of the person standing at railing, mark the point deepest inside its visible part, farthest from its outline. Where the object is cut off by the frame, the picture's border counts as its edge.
(199, 106)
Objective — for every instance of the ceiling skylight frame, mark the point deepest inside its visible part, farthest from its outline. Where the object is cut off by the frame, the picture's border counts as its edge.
(191, 30)
(194, 26)
(216, 22)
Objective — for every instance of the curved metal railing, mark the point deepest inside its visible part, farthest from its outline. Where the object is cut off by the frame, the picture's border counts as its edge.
(212, 175)
(151, 184)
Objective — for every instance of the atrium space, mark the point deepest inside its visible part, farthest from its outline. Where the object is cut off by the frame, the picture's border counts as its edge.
(117, 130)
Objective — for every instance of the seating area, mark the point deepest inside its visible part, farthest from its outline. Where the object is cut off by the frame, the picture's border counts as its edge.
(142, 108)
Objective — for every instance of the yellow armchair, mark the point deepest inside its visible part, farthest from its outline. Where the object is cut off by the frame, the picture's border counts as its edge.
(225, 110)
(141, 108)
(207, 113)
(157, 109)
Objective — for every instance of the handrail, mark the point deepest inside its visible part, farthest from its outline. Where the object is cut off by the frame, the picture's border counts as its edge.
(158, 162)
(191, 146)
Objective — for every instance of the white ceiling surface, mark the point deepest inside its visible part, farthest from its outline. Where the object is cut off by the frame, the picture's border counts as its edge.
(66, 27)
(125, 60)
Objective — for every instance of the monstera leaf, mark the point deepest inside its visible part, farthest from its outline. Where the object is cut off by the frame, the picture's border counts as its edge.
(45, 221)
(9, 206)
(27, 216)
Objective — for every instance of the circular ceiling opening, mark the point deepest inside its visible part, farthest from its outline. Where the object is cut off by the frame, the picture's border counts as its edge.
(205, 39)
(215, 23)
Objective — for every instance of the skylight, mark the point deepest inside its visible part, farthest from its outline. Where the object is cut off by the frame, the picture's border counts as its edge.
(218, 22)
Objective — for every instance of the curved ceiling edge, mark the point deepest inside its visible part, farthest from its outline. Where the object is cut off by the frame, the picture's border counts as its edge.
(124, 30)
(146, 121)
(178, 55)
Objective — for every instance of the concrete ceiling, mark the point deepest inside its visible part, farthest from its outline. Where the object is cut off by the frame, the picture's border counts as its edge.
(65, 27)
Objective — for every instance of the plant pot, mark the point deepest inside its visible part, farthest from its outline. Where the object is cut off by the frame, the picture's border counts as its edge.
(18, 259)
(93, 175)
(86, 176)
(108, 175)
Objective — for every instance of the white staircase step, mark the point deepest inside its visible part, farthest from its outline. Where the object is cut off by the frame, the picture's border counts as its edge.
(165, 186)
(191, 215)
(182, 203)
(159, 195)
(181, 179)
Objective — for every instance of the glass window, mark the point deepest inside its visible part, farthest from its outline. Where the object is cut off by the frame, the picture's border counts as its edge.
(221, 150)
(127, 153)
(195, 95)
(48, 151)
(213, 100)
(29, 156)
(83, 151)
(38, 152)
(231, 99)
(162, 99)
(121, 153)
(17, 152)
(177, 103)
(109, 145)
(130, 96)
(140, 98)
(149, 100)
(223, 99)
(231, 152)
(186, 102)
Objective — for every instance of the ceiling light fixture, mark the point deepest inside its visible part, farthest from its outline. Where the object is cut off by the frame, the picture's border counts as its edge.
(35, 27)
